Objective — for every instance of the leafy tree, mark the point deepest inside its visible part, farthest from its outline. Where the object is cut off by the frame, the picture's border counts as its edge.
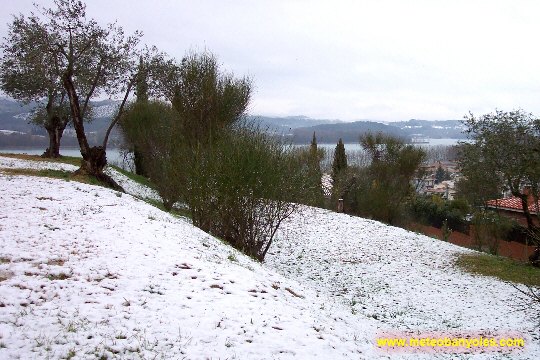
(503, 153)
(141, 83)
(204, 103)
(141, 92)
(54, 118)
(153, 126)
(340, 160)
(238, 183)
(441, 175)
(26, 75)
(87, 60)
(382, 188)
(244, 187)
(207, 99)
(479, 182)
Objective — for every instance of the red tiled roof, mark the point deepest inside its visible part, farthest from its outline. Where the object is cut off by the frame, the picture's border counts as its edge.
(512, 203)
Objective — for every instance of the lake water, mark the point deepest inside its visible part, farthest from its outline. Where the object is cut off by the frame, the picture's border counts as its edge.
(117, 156)
(114, 156)
(356, 146)
(356, 156)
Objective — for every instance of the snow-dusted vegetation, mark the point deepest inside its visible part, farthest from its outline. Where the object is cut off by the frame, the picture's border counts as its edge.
(87, 272)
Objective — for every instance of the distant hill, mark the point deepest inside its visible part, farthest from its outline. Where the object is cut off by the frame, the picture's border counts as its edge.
(16, 129)
(286, 125)
(349, 132)
(436, 129)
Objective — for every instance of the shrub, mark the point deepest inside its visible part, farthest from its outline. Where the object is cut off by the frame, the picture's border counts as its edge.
(489, 229)
(436, 212)
(152, 126)
(380, 190)
(244, 187)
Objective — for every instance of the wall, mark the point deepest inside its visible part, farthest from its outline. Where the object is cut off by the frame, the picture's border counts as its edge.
(511, 249)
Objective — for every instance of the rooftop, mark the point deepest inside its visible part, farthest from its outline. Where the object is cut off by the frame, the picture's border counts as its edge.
(513, 204)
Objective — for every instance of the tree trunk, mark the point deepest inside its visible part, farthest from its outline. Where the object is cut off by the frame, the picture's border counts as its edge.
(94, 164)
(525, 206)
(534, 259)
(53, 151)
(94, 158)
(138, 160)
(55, 129)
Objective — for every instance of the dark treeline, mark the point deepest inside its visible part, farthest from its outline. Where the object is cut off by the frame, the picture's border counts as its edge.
(350, 132)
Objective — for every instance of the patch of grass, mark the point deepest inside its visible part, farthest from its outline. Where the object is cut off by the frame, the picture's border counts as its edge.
(56, 174)
(500, 267)
(71, 354)
(175, 211)
(232, 257)
(71, 327)
(61, 276)
(56, 262)
(137, 178)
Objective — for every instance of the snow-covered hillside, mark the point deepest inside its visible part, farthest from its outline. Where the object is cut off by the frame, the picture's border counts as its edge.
(404, 280)
(87, 272)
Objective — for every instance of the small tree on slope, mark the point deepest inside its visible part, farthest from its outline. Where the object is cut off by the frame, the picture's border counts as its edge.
(340, 160)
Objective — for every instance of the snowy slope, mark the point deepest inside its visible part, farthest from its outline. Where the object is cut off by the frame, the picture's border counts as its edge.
(86, 271)
(131, 187)
(404, 280)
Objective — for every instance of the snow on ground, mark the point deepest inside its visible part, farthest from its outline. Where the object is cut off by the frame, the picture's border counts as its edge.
(14, 163)
(86, 271)
(130, 186)
(404, 280)
(10, 132)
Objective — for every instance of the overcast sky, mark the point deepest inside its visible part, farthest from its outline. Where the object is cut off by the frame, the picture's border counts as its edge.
(351, 60)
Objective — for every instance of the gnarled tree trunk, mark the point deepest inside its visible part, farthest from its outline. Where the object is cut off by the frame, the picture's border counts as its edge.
(93, 164)
(94, 158)
(55, 129)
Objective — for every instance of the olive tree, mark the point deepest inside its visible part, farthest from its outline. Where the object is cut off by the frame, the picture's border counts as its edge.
(87, 60)
(503, 155)
(27, 74)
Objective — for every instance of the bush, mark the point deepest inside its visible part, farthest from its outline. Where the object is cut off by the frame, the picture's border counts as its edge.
(434, 211)
(244, 187)
(240, 187)
(238, 183)
(380, 190)
(489, 229)
(153, 128)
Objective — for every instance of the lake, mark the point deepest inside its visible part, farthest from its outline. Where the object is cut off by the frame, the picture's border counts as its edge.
(116, 156)
(356, 146)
